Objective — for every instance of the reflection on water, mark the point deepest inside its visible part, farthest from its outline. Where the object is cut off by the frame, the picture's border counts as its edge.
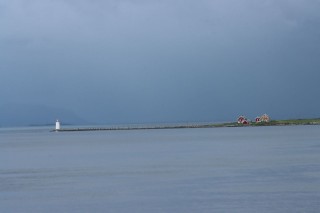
(265, 169)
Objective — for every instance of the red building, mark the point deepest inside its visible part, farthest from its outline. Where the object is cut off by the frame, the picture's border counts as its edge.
(245, 122)
(242, 120)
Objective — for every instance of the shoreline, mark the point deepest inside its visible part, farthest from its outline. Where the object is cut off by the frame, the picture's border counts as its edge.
(291, 122)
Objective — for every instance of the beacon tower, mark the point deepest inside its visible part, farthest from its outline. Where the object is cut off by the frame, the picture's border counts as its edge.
(57, 125)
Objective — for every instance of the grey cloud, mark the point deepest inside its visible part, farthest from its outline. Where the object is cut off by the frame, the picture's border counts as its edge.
(145, 61)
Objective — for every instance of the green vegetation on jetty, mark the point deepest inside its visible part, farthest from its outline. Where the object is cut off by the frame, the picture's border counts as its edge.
(315, 121)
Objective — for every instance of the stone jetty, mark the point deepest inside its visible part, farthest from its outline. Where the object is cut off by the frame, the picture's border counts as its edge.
(132, 128)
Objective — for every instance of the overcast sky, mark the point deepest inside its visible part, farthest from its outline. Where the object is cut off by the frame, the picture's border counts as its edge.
(135, 61)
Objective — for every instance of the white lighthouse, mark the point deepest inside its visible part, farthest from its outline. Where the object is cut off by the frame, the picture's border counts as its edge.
(57, 125)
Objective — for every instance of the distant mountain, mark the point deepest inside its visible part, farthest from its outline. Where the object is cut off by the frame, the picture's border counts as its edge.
(30, 115)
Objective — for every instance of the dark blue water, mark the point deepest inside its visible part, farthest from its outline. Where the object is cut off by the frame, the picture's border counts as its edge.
(258, 169)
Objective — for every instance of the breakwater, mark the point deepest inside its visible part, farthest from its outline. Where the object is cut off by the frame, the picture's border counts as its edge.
(133, 128)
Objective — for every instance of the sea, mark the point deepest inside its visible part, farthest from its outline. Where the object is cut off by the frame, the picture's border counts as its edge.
(241, 170)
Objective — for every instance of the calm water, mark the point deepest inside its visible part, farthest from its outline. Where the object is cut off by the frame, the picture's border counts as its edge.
(264, 169)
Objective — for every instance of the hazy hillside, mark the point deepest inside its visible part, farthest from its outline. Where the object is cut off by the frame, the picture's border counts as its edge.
(26, 115)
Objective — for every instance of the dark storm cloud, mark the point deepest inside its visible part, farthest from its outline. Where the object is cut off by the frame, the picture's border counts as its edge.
(149, 61)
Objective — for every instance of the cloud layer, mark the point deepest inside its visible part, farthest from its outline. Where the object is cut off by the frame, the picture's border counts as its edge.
(162, 61)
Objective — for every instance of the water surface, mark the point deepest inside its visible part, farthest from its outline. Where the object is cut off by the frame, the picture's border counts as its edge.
(255, 169)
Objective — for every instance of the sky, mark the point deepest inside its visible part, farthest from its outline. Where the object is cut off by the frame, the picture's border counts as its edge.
(155, 61)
